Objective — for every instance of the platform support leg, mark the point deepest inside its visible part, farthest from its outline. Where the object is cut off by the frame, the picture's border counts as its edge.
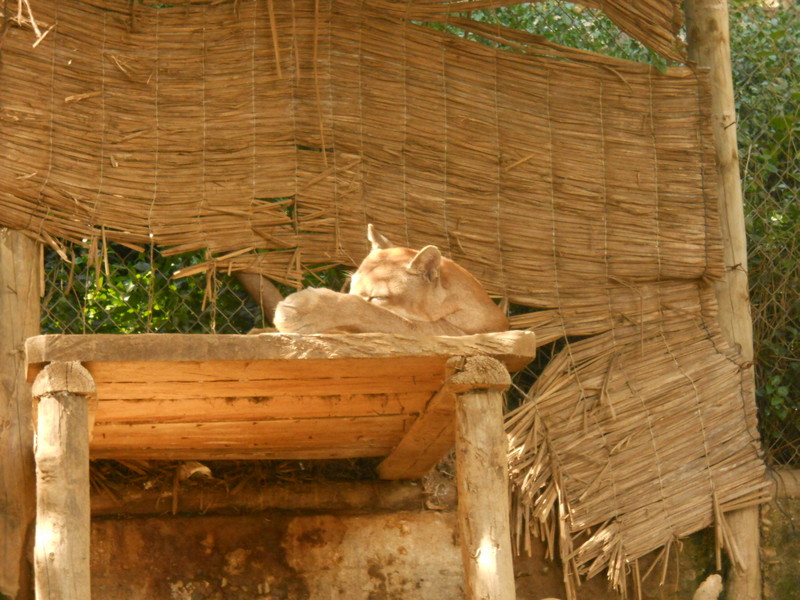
(482, 477)
(62, 394)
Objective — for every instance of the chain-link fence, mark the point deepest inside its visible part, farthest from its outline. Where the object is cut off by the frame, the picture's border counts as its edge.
(765, 48)
(112, 288)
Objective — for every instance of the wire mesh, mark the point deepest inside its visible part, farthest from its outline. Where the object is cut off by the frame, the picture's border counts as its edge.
(765, 48)
(119, 290)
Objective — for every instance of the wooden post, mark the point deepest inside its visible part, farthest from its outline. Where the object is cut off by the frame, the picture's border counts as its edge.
(482, 477)
(19, 319)
(61, 552)
(709, 46)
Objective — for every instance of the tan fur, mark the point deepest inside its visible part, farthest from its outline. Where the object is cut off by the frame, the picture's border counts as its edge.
(396, 290)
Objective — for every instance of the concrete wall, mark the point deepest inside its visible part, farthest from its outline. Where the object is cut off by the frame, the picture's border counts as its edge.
(274, 555)
(277, 555)
(371, 542)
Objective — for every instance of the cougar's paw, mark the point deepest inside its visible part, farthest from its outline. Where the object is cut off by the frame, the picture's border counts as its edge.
(308, 311)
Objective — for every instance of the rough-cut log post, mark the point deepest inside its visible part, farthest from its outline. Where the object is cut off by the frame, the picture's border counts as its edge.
(61, 552)
(19, 319)
(709, 46)
(482, 477)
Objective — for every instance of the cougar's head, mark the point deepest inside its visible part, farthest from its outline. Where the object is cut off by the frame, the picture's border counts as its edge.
(404, 281)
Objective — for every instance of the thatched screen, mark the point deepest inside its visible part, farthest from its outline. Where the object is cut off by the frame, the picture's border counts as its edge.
(581, 186)
(224, 128)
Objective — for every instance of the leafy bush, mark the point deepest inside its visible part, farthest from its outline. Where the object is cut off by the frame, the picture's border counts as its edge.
(765, 52)
(133, 292)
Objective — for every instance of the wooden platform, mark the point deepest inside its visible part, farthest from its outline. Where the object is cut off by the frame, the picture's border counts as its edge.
(283, 396)
(165, 396)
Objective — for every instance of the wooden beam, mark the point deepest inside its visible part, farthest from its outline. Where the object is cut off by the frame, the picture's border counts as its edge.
(482, 478)
(20, 267)
(348, 496)
(260, 408)
(430, 437)
(709, 46)
(513, 348)
(292, 452)
(707, 24)
(61, 553)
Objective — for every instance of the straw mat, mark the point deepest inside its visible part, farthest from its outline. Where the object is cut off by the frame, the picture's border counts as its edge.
(288, 127)
(577, 185)
(632, 439)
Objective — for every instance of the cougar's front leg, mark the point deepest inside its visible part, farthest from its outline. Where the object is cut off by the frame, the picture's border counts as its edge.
(319, 310)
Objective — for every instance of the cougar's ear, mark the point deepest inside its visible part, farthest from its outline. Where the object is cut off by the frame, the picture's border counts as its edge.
(379, 242)
(426, 263)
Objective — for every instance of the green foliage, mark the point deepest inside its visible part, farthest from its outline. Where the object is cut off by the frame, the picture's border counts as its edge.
(134, 292)
(765, 54)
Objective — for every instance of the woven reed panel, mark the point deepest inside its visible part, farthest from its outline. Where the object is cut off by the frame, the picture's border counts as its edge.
(558, 177)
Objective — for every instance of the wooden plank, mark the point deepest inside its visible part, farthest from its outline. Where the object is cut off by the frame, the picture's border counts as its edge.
(292, 453)
(515, 348)
(245, 409)
(276, 434)
(263, 370)
(430, 437)
(263, 389)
